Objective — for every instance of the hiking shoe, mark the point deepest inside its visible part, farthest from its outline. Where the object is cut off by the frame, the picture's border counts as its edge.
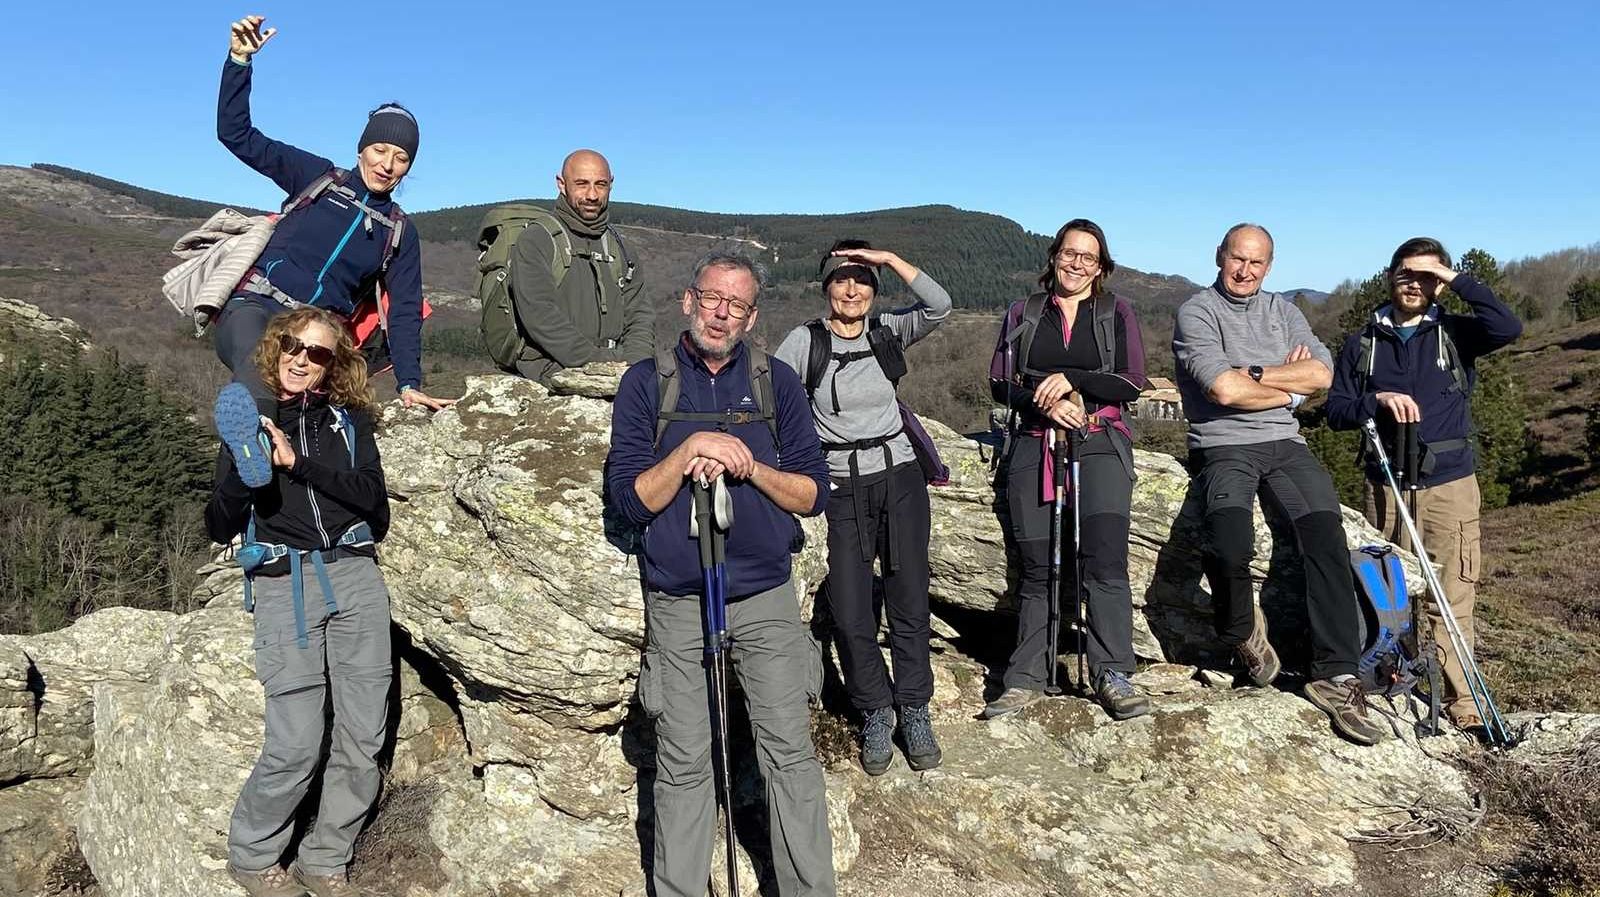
(916, 728)
(877, 740)
(1010, 701)
(326, 885)
(1345, 702)
(1260, 660)
(239, 424)
(1470, 723)
(273, 881)
(1118, 696)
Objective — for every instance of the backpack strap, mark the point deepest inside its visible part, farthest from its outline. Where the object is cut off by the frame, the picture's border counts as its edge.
(1032, 311)
(624, 257)
(1105, 330)
(1450, 357)
(817, 355)
(669, 386)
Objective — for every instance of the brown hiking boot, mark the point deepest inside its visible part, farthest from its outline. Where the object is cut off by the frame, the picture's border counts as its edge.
(273, 881)
(1345, 702)
(1010, 701)
(1260, 660)
(326, 885)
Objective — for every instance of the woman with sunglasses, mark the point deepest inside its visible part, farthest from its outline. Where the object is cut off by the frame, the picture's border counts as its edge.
(878, 506)
(1068, 362)
(329, 250)
(321, 607)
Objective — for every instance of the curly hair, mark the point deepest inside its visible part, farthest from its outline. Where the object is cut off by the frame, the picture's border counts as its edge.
(345, 380)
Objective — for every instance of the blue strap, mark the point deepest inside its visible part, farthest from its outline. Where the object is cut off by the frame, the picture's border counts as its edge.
(322, 579)
(298, 590)
(249, 537)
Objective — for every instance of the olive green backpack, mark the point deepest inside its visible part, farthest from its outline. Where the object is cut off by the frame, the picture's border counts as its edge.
(497, 235)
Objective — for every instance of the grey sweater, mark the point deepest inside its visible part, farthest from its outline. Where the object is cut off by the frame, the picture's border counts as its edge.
(867, 407)
(1215, 333)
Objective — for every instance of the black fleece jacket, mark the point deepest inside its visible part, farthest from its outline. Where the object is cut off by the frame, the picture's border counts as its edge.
(313, 503)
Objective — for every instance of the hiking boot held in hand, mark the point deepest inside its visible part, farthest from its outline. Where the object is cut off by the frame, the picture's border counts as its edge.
(327, 885)
(1260, 660)
(273, 881)
(877, 740)
(1345, 702)
(1010, 701)
(1118, 696)
(916, 728)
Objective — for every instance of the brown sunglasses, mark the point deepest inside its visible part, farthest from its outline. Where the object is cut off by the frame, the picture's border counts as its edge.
(317, 355)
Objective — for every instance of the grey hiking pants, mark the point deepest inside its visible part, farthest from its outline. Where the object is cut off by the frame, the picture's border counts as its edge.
(347, 658)
(780, 667)
(1106, 469)
(236, 333)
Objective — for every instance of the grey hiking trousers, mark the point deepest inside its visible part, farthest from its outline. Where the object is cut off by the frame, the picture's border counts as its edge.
(780, 667)
(347, 658)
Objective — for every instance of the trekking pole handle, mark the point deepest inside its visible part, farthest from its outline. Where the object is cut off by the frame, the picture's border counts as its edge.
(705, 526)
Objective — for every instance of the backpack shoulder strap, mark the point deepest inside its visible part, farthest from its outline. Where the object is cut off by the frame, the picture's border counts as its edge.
(560, 242)
(761, 386)
(668, 387)
(1032, 311)
(347, 431)
(1366, 355)
(817, 355)
(1105, 329)
(1450, 356)
(622, 264)
(313, 190)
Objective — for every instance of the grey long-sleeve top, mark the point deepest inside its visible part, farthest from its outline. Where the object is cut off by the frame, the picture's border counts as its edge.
(867, 406)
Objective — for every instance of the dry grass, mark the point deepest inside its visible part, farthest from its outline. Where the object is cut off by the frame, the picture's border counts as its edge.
(396, 851)
(1551, 805)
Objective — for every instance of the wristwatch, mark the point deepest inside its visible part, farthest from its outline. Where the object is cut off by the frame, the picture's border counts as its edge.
(1255, 371)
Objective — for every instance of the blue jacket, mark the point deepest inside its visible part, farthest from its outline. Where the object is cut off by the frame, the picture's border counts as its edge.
(758, 544)
(320, 255)
(1413, 367)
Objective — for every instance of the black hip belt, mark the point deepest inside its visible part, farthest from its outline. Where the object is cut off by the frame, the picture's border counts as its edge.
(861, 444)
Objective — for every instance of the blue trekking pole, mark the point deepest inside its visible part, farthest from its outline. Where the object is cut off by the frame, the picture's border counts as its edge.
(713, 516)
(1494, 724)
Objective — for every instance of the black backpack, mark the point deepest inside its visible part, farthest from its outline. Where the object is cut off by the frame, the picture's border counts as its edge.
(1397, 652)
(884, 345)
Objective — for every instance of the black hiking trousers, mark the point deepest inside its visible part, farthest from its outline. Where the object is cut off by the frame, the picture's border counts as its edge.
(1106, 494)
(895, 521)
(1287, 475)
(237, 332)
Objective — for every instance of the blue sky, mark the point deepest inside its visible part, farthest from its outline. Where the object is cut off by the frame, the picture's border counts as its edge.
(1345, 128)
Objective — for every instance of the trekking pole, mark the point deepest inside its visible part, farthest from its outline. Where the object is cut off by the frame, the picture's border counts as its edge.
(1074, 449)
(709, 499)
(1052, 440)
(1477, 685)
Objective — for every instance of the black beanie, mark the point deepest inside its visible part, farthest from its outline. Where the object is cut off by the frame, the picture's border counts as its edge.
(393, 125)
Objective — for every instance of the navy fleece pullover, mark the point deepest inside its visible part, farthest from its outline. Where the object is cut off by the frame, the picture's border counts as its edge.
(323, 255)
(1411, 366)
(758, 544)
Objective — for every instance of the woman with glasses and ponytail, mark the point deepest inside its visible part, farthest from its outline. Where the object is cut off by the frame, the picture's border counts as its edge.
(850, 361)
(343, 237)
(320, 604)
(1069, 361)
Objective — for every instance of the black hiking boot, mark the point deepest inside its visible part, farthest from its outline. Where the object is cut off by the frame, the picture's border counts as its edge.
(877, 740)
(1010, 701)
(916, 728)
(1118, 696)
(1345, 703)
(1260, 660)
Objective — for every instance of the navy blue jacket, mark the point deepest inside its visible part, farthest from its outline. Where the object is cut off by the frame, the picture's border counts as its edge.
(311, 504)
(758, 544)
(320, 255)
(1412, 367)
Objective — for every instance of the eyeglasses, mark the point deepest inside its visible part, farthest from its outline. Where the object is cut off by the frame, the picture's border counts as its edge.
(1089, 259)
(291, 346)
(737, 308)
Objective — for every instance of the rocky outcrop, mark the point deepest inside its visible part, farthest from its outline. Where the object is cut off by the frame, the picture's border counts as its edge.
(516, 592)
(30, 320)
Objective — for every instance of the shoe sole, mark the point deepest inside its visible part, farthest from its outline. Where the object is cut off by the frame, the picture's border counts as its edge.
(1119, 716)
(877, 769)
(1333, 717)
(239, 423)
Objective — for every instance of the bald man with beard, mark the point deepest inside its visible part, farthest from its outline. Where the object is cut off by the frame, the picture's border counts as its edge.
(577, 296)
